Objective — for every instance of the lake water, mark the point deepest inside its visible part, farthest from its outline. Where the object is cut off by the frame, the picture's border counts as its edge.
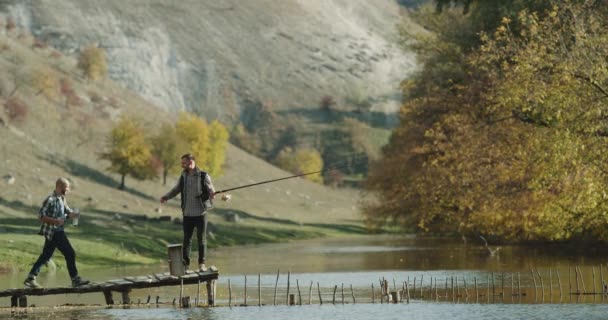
(343, 271)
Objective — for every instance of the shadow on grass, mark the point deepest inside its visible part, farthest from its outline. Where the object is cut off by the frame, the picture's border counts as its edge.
(80, 170)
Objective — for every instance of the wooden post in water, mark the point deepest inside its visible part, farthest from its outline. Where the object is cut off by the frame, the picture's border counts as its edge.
(211, 287)
(582, 279)
(576, 278)
(319, 291)
(476, 291)
(333, 300)
(299, 293)
(452, 286)
(601, 281)
(352, 292)
(245, 293)
(466, 291)
(229, 294)
(421, 277)
(559, 283)
(414, 288)
(126, 300)
(550, 284)
(518, 284)
(310, 293)
(288, 279)
(291, 299)
(407, 291)
(107, 294)
(534, 279)
(446, 287)
(342, 291)
(593, 280)
(542, 286)
(373, 294)
(493, 288)
(512, 285)
(502, 284)
(436, 292)
(274, 299)
(198, 293)
(181, 291)
(259, 289)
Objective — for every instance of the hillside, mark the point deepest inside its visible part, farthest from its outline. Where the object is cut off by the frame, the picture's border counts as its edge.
(213, 57)
(57, 138)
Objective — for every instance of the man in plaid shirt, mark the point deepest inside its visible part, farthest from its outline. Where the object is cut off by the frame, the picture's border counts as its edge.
(196, 191)
(52, 215)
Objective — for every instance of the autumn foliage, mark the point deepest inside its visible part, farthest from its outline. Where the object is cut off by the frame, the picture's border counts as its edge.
(503, 131)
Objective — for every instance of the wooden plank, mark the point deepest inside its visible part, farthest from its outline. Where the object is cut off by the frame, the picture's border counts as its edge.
(113, 285)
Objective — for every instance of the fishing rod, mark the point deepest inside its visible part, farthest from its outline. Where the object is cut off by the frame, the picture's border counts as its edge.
(279, 179)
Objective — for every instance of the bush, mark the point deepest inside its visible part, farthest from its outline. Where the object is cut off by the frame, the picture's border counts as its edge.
(92, 62)
(15, 109)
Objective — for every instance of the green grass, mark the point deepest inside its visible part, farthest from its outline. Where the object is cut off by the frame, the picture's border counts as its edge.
(55, 141)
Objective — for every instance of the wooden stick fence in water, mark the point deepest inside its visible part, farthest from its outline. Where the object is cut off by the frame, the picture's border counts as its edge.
(274, 299)
(299, 294)
(288, 278)
(352, 292)
(310, 293)
(319, 291)
(245, 293)
(229, 294)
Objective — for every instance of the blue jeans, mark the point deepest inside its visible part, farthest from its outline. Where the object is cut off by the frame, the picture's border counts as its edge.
(59, 241)
(200, 223)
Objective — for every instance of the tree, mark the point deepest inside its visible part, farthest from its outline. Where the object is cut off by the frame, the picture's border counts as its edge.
(218, 140)
(128, 152)
(301, 161)
(195, 132)
(92, 62)
(167, 147)
(509, 142)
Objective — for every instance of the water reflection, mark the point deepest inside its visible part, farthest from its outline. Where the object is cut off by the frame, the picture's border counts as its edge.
(437, 273)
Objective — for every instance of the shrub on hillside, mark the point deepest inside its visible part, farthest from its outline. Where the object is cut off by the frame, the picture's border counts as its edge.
(15, 109)
(45, 82)
(92, 62)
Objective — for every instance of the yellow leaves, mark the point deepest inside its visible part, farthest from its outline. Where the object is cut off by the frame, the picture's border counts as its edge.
(127, 149)
(92, 62)
(207, 142)
(301, 161)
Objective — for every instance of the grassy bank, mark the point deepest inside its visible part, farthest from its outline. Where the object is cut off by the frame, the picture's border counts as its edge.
(111, 239)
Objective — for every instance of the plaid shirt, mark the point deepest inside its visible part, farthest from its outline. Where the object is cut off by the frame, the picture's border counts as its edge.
(54, 206)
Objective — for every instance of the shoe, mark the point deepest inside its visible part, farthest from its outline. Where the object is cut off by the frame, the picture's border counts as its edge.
(202, 267)
(78, 281)
(31, 283)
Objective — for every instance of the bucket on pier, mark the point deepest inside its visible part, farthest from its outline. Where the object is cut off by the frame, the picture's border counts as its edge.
(176, 264)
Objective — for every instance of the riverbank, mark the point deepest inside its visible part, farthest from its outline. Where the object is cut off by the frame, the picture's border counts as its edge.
(110, 239)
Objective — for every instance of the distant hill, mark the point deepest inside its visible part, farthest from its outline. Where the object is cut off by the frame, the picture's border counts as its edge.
(214, 56)
(53, 140)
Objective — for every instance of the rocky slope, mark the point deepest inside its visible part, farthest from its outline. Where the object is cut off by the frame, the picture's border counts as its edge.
(211, 56)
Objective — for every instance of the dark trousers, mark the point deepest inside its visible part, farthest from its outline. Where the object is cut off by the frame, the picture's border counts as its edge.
(59, 241)
(200, 223)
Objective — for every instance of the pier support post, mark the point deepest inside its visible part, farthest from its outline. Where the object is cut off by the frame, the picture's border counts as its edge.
(211, 292)
(125, 297)
(18, 301)
(107, 294)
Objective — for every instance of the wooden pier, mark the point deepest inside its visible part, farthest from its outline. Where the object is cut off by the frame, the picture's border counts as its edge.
(122, 286)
